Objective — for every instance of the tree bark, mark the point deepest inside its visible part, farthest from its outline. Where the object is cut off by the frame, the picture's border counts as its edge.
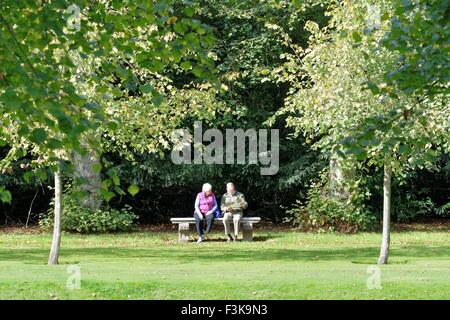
(338, 176)
(54, 252)
(91, 179)
(384, 253)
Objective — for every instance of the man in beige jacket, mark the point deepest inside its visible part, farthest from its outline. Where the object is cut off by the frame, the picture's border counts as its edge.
(232, 205)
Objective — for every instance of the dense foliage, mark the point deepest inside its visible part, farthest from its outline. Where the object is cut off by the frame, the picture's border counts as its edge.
(313, 69)
(105, 219)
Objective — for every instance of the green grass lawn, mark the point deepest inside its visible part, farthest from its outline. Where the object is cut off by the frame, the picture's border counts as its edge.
(277, 265)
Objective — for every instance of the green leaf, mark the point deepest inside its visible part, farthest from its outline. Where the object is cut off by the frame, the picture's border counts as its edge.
(116, 180)
(5, 195)
(27, 176)
(146, 88)
(23, 131)
(119, 191)
(201, 30)
(430, 156)
(373, 87)
(357, 37)
(185, 65)
(97, 167)
(188, 11)
(112, 125)
(157, 99)
(179, 28)
(198, 72)
(107, 195)
(106, 183)
(38, 135)
(133, 189)
(42, 174)
(405, 149)
(54, 144)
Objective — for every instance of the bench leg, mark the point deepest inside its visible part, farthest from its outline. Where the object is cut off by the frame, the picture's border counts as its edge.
(247, 231)
(183, 232)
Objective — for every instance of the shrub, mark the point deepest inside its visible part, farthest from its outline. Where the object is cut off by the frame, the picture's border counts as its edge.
(410, 207)
(76, 218)
(324, 212)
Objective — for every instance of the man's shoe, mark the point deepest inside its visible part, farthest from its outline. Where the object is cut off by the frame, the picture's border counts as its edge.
(200, 239)
(235, 238)
(229, 238)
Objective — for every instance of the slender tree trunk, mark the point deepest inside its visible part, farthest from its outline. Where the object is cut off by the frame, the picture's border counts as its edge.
(54, 252)
(31, 207)
(384, 253)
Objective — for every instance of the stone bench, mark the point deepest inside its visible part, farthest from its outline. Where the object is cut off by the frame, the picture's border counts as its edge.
(184, 227)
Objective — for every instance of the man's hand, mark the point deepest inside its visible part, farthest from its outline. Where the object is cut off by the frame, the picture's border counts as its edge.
(209, 212)
(241, 203)
(200, 216)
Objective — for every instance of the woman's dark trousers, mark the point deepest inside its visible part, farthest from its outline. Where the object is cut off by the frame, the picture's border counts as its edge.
(208, 220)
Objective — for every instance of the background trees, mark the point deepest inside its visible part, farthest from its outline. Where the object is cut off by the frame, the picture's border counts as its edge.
(342, 109)
(419, 34)
(46, 95)
(51, 101)
(102, 101)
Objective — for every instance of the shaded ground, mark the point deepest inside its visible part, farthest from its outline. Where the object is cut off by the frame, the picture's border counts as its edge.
(430, 225)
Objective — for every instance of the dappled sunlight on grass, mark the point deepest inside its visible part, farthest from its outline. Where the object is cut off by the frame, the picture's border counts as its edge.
(282, 264)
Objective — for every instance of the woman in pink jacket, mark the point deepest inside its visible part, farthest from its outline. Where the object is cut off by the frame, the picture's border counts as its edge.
(205, 209)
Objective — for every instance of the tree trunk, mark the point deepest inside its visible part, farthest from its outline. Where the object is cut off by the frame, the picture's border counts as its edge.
(91, 178)
(54, 252)
(338, 176)
(384, 253)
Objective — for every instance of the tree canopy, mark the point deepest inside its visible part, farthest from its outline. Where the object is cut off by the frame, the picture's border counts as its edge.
(93, 90)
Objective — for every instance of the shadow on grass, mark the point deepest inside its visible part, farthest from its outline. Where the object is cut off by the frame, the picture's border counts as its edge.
(429, 228)
(224, 240)
(191, 253)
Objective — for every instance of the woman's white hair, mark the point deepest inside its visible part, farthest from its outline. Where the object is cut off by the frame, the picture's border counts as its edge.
(206, 187)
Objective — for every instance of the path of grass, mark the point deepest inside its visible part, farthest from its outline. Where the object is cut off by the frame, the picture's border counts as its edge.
(278, 265)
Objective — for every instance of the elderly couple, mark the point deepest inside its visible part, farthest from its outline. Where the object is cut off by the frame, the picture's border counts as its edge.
(232, 205)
